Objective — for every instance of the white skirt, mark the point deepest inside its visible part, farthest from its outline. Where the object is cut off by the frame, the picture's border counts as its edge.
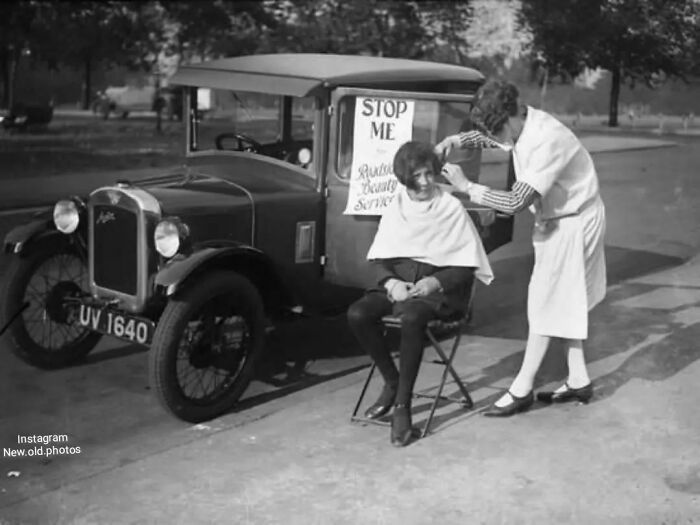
(568, 278)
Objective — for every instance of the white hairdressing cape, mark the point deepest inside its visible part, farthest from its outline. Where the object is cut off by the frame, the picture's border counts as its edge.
(437, 232)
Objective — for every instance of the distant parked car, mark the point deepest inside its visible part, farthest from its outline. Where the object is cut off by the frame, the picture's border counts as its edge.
(102, 105)
(122, 100)
(24, 116)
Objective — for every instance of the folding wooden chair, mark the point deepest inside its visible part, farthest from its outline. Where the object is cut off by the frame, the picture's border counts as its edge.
(437, 332)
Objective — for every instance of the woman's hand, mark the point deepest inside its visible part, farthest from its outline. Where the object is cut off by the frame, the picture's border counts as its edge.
(454, 174)
(398, 290)
(425, 286)
(446, 146)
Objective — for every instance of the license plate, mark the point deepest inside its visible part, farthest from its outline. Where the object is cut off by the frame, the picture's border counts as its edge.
(118, 324)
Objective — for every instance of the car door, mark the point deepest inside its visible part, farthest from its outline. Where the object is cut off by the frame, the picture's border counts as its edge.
(349, 234)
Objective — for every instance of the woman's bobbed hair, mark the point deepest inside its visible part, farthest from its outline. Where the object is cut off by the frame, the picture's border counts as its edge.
(413, 155)
(494, 103)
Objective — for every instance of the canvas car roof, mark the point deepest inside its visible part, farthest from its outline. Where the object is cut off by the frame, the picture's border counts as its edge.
(307, 74)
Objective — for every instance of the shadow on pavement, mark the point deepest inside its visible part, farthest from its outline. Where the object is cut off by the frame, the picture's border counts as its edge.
(613, 330)
(113, 353)
(500, 313)
(655, 362)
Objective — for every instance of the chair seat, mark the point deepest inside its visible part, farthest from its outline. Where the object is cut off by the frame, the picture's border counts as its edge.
(437, 326)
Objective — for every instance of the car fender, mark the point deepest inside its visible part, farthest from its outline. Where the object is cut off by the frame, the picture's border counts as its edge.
(20, 238)
(246, 260)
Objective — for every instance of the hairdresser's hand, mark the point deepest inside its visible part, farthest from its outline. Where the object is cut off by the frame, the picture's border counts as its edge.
(446, 146)
(454, 174)
(425, 286)
(398, 290)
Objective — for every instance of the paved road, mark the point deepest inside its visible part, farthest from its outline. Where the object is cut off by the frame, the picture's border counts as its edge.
(104, 405)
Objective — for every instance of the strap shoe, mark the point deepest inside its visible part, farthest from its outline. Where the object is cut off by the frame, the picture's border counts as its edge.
(519, 404)
(582, 395)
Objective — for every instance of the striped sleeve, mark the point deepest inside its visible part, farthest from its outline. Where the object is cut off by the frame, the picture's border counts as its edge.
(477, 140)
(510, 202)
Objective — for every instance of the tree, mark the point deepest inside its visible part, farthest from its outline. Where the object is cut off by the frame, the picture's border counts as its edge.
(104, 34)
(447, 23)
(636, 40)
(494, 36)
(375, 27)
(205, 30)
(22, 24)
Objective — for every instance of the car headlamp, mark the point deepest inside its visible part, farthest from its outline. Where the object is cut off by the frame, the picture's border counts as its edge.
(304, 156)
(66, 216)
(168, 236)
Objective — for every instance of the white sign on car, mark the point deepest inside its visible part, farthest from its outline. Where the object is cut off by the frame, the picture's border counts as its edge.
(382, 125)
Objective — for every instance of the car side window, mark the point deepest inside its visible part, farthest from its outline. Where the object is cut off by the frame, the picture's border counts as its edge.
(260, 123)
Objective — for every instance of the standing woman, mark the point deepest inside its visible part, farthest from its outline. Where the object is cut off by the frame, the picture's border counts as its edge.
(556, 178)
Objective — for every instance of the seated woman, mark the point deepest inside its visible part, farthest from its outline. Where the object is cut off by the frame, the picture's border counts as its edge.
(426, 252)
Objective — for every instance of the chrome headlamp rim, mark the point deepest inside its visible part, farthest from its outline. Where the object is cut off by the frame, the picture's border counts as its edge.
(168, 236)
(66, 214)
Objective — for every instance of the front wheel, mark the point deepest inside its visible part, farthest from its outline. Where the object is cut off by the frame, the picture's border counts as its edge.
(205, 347)
(45, 333)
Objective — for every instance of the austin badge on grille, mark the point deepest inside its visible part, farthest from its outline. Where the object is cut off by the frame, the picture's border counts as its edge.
(105, 216)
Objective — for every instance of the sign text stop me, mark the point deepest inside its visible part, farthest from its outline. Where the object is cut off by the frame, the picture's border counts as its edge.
(381, 126)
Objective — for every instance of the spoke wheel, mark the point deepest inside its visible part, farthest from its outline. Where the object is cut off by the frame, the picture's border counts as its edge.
(206, 345)
(39, 284)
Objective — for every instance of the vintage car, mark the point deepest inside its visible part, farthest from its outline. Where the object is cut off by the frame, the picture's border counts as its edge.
(287, 172)
(125, 99)
(23, 117)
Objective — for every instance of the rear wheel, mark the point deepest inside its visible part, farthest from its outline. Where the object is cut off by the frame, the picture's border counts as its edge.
(206, 345)
(45, 333)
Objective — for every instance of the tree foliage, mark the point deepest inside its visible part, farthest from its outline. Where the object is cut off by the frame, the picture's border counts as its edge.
(201, 30)
(104, 34)
(446, 23)
(22, 24)
(83, 35)
(636, 40)
(373, 27)
(90, 34)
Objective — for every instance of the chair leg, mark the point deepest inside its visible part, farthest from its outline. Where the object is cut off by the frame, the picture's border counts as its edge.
(433, 405)
(364, 390)
(468, 403)
(447, 362)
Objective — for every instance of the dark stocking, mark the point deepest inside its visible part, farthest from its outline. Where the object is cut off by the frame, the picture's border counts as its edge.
(364, 318)
(414, 318)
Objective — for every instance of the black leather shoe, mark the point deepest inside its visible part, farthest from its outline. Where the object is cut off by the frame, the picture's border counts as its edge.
(519, 404)
(582, 395)
(377, 410)
(382, 406)
(401, 426)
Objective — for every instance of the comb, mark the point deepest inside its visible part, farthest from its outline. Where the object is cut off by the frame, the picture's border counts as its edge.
(478, 140)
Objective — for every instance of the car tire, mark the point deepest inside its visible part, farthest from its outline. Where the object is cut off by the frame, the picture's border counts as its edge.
(54, 266)
(207, 304)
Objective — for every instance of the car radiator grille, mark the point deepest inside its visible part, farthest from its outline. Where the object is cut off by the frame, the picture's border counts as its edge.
(115, 248)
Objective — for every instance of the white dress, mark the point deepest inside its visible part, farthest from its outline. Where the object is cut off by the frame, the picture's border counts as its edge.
(569, 277)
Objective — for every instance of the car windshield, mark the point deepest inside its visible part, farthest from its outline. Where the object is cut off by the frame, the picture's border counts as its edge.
(369, 125)
(271, 125)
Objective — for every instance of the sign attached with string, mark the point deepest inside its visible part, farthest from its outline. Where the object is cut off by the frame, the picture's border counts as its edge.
(381, 127)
